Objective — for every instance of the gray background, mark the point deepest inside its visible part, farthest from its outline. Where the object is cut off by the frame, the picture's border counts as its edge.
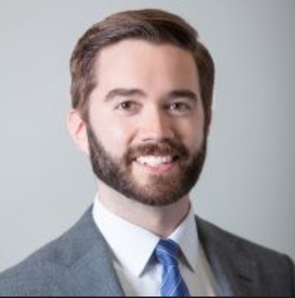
(248, 184)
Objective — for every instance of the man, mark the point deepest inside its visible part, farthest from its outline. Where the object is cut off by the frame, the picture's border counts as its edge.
(142, 86)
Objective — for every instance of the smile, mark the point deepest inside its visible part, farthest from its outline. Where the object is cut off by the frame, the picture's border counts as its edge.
(155, 161)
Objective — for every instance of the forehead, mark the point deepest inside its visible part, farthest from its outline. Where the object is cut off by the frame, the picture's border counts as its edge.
(140, 64)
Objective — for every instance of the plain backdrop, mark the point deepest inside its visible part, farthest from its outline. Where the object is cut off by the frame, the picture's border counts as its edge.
(248, 184)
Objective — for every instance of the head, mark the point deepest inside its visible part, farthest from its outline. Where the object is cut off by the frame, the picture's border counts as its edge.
(142, 86)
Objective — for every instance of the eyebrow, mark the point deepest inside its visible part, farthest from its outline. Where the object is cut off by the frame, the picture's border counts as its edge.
(121, 92)
(183, 93)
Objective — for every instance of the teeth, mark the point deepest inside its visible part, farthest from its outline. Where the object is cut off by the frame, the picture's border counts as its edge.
(154, 161)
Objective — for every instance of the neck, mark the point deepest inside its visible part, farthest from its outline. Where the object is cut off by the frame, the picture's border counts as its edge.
(161, 221)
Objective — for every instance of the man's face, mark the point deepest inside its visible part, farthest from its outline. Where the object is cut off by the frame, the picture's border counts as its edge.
(146, 129)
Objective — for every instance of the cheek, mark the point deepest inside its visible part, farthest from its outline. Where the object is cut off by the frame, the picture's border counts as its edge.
(192, 133)
(194, 141)
(113, 135)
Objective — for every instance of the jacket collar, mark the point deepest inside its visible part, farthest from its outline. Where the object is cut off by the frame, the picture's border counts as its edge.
(91, 273)
(235, 273)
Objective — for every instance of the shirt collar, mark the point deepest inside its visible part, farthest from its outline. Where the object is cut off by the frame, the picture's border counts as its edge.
(186, 236)
(133, 246)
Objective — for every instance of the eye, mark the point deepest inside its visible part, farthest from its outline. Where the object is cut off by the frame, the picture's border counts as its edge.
(128, 107)
(180, 107)
(125, 105)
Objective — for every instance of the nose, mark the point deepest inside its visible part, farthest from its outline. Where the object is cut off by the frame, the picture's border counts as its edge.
(155, 126)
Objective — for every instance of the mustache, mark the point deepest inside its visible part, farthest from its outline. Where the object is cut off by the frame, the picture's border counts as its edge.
(165, 147)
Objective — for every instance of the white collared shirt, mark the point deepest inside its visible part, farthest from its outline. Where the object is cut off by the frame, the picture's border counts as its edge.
(133, 247)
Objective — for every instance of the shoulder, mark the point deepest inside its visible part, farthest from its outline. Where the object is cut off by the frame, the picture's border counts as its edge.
(211, 234)
(32, 277)
(275, 271)
(46, 270)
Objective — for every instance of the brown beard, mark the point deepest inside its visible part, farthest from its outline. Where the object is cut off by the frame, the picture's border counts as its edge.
(162, 190)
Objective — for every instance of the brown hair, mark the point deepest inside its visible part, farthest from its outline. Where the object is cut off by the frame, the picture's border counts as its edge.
(155, 26)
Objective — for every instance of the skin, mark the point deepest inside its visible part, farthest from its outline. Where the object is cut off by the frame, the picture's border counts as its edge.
(150, 114)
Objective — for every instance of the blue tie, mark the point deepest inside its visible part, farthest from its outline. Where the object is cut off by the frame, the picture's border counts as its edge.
(173, 285)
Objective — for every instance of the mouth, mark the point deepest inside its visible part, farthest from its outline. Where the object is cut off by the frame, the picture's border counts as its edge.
(156, 164)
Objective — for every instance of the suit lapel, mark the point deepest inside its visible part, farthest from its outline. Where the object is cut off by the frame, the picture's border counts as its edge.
(236, 275)
(92, 272)
(94, 275)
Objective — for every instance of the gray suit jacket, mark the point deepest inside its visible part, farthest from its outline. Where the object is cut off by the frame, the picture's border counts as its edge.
(80, 264)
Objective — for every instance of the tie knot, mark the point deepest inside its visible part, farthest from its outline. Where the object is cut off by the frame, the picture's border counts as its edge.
(167, 252)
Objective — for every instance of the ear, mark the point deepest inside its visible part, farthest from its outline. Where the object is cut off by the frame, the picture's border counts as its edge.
(209, 121)
(77, 129)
